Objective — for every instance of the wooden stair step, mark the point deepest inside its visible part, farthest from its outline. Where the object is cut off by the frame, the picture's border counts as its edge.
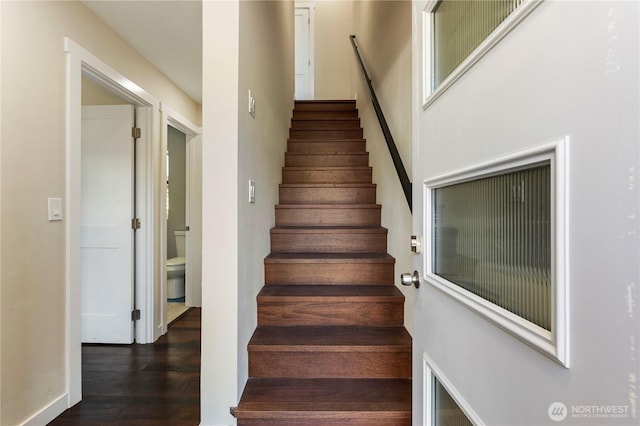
(329, 268)
(326, 146)
(327, 123)
(327, 175)
(336, 351)
(339, 159)
(327, 193)
(325, 134)
(328, 239)
(327, 402)
(328, 214)
(291, 305)
(325, 115)
(325, 105)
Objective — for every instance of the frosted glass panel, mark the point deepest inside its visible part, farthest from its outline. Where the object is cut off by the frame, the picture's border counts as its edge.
(492, 237)
(460, 26)
(445, 410)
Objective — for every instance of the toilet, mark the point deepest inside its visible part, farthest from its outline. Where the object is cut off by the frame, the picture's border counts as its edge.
(175, 269)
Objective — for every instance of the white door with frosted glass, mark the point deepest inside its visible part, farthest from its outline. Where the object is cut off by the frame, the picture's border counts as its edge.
(303, 57)
(107, 245)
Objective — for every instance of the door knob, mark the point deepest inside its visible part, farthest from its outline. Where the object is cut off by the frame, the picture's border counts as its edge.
(410, 279)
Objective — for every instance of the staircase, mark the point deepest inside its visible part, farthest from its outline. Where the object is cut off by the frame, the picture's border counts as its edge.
(330, 347)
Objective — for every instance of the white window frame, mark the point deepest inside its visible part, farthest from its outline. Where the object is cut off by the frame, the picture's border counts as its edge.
(429, 93)
(429, 371)
(554, 343)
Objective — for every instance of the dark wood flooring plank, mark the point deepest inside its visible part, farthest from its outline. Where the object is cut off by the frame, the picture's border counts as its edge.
(155, 384)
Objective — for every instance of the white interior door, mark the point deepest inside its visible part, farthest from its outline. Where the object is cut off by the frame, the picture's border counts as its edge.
(303, 57)
(107, 236)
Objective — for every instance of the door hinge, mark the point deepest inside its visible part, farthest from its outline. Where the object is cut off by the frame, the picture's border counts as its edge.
(135, 315)
(135, 223)
(136, 133)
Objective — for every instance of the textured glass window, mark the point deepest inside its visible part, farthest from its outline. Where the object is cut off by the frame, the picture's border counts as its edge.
(445, 411)
(492, 237)
(460, 26)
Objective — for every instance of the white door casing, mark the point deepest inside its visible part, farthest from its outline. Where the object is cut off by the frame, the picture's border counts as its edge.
(82, 62)
(304, 61)
(107, 236)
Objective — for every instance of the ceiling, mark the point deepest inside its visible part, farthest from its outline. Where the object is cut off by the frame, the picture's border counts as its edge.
(167, 33)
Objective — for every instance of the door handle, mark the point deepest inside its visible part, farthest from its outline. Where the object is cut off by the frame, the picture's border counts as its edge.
(410, 279)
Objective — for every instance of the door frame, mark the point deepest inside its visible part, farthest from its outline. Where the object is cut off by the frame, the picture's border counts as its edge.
(311, 6)
(193, 275)
(82, 62)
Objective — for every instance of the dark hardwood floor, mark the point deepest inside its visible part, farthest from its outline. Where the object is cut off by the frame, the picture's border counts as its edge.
(155, 384)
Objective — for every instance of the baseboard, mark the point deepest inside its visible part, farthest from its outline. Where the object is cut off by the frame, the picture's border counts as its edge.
(50, 412)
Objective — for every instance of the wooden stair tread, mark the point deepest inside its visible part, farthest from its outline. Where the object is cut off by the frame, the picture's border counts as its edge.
(326, 168)
(329, 293)
(329, 258)
(328, 206)
(330, 338)
(329, 229)
(354, 119)
(327, 185)
(319, 141)
(312, 397)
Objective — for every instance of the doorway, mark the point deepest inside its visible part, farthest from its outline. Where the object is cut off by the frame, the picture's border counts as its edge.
(147, 266)
(176, 208)
(182, 214)
(304, 50)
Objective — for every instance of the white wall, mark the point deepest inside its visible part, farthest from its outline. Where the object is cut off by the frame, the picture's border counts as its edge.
(387, 56)
(569, 69)
(33, 167)
(333, 54)
(236, 148)
(266, 68)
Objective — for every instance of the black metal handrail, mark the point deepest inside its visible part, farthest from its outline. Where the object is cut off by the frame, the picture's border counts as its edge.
(393, 150)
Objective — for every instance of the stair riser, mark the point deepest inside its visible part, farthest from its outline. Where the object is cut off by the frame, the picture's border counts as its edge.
(355, 365)
(325, 134)
(328, 243)
(325, 106)
(327, 217)
(326, 146)
(328, 195)
(326, 176)
(350, 124)
(326, 160)
(329, 274)
(384, 314)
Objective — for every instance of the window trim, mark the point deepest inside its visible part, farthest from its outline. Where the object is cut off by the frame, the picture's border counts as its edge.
(554, 343)
(429, 94)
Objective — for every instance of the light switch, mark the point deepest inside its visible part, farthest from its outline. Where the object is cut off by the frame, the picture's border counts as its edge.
(55, 209)
(252, 192)
(252, 105)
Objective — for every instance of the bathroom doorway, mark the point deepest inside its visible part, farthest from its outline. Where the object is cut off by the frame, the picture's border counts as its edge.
(182, 214)
(176, 210)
